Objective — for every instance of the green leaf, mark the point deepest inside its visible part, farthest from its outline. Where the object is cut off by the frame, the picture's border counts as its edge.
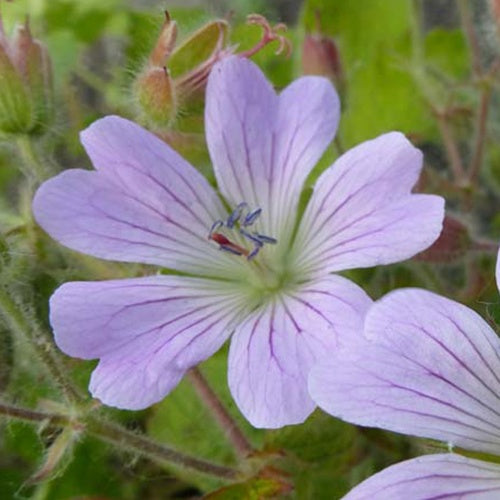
(64, 49)
(446, 51)
(86, 23)
(380, 93)
(319, 454)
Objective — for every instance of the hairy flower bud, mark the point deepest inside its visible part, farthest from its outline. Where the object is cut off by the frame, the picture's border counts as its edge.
(165, 43)
(175, 77)
(156, 95)
(173, 74)
(26, 92)
(192, 61)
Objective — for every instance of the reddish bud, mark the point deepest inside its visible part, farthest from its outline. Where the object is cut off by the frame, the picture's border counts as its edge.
(320, 56)
(156, 96)
(165, 43)
(160, 93)
(25, 83)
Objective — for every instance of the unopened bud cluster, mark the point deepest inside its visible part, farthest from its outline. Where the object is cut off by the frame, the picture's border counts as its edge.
(175, 76)
(175, 73)
(26, 94)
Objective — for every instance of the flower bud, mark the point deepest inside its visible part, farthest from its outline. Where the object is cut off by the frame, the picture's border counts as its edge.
(175, 76)
(320, 56)
(33, 62)
(26, 93)
(192, 61)
(165, 43)
(156, 96)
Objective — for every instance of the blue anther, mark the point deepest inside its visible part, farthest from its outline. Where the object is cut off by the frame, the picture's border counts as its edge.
(265, 239)
(235, 215)
(254, 252)
(215, 226)
(252, 217)
(251, 237)
(229, 249)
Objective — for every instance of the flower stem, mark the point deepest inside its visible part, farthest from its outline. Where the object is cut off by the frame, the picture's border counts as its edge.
(32, 167)
(485, 246)
(115, 434)
(451, 148)
(219, 412)
(468, 25)
(123, 438)
(432, 98)
(19, 324)
(32, 415)
(482, 117)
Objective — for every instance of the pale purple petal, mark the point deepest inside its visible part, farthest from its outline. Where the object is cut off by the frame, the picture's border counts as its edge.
(498, 271)
(362, 214)
(144, 204)
(273, 350)
(432, 477)
(263, 147)
(147, 332)
(430, 367)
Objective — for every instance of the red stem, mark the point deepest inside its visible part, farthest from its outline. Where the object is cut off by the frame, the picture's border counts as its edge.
(219, 412)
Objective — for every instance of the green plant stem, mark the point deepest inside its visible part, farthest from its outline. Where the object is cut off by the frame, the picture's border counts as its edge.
(480, 136)
(470, 32)
(32, 415)
(115, 434)
(19, 324)
(485, 246)
(123, 438)
(219, 412)
(32, 167)
(420, 75)
(451, 149)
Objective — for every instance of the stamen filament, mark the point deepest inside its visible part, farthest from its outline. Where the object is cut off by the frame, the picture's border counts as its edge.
(237, 217)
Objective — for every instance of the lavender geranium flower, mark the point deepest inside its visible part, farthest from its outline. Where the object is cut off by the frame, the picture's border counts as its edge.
(246, 271)
(429, 367)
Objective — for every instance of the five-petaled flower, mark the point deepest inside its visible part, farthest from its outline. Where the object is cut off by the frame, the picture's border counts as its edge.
(272, 287)
(428, 367)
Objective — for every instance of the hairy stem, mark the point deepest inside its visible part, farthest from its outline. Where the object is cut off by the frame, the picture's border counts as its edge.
(121, 437)
(32, 167)
(32, 415)
(115, 434)
(219, 412)
(18, 323)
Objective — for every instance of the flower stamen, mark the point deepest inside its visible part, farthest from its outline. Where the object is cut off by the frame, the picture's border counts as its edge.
(236, 221)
